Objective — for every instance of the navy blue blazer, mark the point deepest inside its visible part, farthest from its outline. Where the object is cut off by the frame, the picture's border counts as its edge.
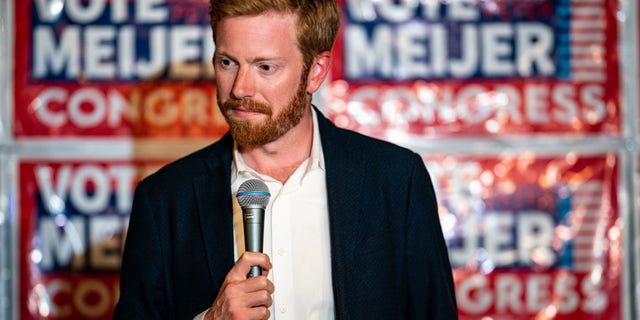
(388, 256)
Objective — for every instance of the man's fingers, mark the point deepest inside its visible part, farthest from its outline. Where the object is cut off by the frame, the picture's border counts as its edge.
(246, 299)
(259, 283)
(241, 297)
(261, 298)
(240, 288)
(244, 264)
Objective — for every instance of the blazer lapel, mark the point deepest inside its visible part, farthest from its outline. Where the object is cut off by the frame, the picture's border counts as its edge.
(345, 182)
(213, 197)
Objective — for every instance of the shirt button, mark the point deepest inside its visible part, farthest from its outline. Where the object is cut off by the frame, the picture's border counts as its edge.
(282, 252)
(283, 308)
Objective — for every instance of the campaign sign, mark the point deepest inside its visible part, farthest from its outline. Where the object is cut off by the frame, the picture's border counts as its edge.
(114, 68)
(532, 237)
(73, 221)
(469, 68)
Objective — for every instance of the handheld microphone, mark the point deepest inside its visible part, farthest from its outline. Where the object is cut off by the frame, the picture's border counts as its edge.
(253, 197)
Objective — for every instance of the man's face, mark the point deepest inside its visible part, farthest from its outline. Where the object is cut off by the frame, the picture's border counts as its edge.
(261, 90)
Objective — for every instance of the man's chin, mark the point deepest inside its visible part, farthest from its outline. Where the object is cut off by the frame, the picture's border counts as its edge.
(250, 142)
(247, 134)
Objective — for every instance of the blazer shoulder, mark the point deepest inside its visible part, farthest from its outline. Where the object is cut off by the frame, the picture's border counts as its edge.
(213, 157)
(352, 141)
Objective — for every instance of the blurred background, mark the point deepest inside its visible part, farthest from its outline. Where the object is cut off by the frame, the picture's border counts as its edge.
(525, 113)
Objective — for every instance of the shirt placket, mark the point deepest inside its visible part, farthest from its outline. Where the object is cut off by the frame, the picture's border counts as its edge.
(284, 299)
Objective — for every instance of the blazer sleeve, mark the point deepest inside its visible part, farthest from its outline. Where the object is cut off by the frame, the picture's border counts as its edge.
(428, 260)
(142, 287)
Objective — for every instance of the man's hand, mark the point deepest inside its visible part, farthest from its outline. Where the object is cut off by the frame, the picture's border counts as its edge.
(241, 297)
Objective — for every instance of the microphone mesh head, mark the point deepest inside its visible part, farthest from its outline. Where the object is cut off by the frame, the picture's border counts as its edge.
(253, 192)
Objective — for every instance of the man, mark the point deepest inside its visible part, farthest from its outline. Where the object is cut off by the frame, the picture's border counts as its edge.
(351, 230)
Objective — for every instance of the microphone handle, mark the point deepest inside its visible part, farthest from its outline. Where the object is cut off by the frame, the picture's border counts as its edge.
(253, 218)
(254, 272)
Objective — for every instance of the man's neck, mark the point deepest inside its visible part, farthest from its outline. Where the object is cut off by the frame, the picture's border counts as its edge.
(280, 158)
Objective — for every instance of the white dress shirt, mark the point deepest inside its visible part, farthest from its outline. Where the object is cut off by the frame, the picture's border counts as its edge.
(296, 236)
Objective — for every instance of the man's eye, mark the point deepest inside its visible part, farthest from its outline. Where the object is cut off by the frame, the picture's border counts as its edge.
(224, 62)
(267, 68)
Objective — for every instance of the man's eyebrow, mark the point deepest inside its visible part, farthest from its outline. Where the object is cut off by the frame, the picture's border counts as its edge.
(267, 59)
(253, 60)
(218, 53)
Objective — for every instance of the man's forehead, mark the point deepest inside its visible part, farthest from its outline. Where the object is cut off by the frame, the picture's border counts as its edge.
(258, 40)
(255, 31)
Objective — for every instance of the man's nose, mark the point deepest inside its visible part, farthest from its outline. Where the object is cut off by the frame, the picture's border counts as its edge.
(244, 84)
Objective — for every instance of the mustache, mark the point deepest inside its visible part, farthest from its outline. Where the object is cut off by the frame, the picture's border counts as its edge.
(248, 105)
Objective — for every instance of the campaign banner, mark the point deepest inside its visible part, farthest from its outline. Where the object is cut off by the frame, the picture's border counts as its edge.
(118, 68)
(73, 221)
(532, 237)
(477, 68)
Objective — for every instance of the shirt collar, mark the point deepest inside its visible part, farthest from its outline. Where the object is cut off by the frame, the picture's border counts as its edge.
(240, 170)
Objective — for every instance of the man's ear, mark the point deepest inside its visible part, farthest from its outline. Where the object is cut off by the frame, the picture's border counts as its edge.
(318, 71)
